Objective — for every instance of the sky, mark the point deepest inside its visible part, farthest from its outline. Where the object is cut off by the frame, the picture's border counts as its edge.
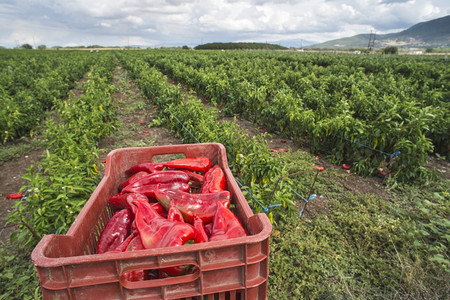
(158, 23)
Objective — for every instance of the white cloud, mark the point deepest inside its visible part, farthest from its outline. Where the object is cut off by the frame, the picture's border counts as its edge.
(169, 22)
(135, 20)
(105, 24)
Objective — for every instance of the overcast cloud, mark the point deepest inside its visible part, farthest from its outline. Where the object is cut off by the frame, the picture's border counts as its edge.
(154, 23)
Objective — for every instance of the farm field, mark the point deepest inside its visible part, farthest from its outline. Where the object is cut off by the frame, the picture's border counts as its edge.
(377, 230)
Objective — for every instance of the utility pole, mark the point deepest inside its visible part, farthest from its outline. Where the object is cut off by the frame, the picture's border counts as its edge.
(371, 40)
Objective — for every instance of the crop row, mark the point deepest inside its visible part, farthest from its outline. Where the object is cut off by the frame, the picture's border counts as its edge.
(59, 185)
(334, 104)
(31, 83)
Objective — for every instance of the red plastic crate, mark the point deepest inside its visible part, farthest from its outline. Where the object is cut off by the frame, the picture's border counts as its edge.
(68, 267)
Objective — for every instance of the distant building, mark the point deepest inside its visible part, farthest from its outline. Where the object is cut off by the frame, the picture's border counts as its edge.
(415, 52)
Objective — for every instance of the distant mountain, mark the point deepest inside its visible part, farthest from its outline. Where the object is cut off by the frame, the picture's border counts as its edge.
(430, 34)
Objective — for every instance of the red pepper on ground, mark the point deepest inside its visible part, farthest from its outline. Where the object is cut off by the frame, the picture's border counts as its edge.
(203, 205)
(226, 225)
(197, 164)
(156, 231)
(160, 177)
(214, 180)
(14, 196)
(147, 167)
(320, 168)
(115, 232)
(135, 177)
(149, 190)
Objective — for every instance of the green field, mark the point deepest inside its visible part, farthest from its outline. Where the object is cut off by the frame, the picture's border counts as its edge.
(385, 116)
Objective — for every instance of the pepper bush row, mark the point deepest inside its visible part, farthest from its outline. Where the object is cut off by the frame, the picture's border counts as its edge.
(61, 183)
(31, 82)
(390, 105)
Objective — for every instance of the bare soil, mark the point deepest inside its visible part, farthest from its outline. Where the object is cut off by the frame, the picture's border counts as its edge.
(133, 131)
(11, 181)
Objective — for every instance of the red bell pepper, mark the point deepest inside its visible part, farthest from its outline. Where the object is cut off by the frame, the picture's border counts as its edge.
(200, 233)
(136, 275)
(203, 205)
(159, 177)
(156, 231)
(208, 228)
(149, 190)
(133, 179)
(214, 180)
(346, 166)
(174, 213)
(147, 167)
(124, 245)
(121, 201)
(226, 225)
(135, 243)
(197, 164)
(115, 232)
(196, 178)
(159, 209)
(118, 201)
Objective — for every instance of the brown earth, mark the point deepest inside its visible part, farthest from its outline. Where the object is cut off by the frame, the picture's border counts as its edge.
(10, 182)
(133, 132)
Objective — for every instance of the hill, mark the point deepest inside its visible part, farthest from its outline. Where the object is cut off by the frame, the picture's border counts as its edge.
(430, 34)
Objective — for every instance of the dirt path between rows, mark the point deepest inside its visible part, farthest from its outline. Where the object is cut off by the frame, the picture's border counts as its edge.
(10, 182)
(136, 116)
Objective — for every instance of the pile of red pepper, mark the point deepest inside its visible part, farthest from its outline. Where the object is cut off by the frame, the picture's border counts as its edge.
(169, 204)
